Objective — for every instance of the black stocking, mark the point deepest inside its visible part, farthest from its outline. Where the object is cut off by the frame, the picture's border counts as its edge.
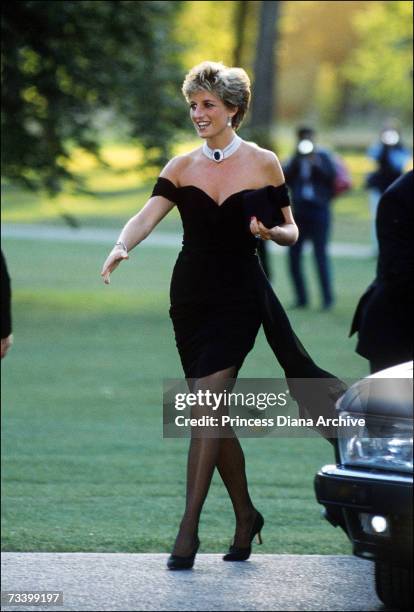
(232, 469)
(207, 451)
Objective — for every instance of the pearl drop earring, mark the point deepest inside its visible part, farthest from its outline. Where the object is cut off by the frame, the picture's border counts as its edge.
(229, 122)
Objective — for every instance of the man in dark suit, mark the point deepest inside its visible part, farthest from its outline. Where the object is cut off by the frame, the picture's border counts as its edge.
(310, 175)
(383, 317)
(6, 326)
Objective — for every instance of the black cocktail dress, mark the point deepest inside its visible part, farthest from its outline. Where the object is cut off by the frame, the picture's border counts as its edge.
(219, 293)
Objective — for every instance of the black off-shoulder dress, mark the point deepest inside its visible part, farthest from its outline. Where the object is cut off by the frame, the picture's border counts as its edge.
(219, 293)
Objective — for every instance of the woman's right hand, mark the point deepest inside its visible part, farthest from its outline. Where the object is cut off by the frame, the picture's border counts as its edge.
(113, 260)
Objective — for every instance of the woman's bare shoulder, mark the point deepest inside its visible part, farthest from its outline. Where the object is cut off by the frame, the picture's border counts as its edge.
(175, 168)
(261, 154)
(267, 163)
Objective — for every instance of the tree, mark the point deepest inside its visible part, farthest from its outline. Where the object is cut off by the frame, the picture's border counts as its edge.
(381, 66)
(206, 31)
(241, 9)
(317, 40)
(63, 62)
(263, 95)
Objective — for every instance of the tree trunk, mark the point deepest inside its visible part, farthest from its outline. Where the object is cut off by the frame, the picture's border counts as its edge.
(264, 95)
(240, 18)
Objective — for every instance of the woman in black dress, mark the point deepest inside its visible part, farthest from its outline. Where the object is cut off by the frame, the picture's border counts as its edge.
(219, 293)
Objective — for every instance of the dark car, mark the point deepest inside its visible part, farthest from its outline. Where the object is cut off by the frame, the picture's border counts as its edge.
(368, 492)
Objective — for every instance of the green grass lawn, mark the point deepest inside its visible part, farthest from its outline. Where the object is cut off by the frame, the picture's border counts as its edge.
(85, 467)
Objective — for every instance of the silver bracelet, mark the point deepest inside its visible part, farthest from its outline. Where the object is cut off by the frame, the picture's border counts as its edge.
(121, 244)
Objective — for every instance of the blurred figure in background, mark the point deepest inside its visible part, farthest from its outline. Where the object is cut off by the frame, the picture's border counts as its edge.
(391, 157)
(383, 317)
(6, 326)
(310, 174)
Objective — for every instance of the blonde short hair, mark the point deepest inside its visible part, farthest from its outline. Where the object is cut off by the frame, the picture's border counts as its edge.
(231, 85)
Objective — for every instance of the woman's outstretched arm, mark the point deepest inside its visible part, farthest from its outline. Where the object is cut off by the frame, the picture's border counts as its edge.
(140, 225)
(135, 231)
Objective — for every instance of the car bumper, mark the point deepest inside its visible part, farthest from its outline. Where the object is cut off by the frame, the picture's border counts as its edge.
(353, 497)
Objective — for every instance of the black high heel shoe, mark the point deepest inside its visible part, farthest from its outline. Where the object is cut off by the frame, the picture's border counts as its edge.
(242, 554)
(175, 562)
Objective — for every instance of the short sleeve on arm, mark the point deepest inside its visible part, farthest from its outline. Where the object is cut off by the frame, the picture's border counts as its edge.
(266, 203)
(279, 196)
(166, 188)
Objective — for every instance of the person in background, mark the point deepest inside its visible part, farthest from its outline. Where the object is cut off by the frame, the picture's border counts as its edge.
(383, 317)
(6, 325)
(391, 158)
(310, 175)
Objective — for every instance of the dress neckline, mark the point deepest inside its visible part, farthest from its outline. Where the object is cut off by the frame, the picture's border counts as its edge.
(232, 195)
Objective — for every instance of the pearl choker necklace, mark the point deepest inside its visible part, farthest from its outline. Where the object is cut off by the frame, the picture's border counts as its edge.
(218, 155)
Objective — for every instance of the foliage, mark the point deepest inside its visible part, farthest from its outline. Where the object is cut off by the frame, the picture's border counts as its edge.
(75, 73)
(381, 66)
(63, 63)
(316, 40)
(317, 43)
(327, 94)
(205, 31)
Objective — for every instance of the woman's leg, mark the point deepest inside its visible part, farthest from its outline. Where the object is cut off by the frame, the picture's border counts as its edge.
(203, 456)
(320, 238)
(232, 469)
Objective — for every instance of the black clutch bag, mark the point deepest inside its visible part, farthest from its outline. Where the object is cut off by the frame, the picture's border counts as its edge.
(265, 204)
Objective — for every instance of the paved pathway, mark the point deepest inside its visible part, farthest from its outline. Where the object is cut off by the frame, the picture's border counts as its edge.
(157, 238)
(118, 581)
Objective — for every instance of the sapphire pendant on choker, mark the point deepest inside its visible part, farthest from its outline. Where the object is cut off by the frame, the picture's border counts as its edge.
(218, 155)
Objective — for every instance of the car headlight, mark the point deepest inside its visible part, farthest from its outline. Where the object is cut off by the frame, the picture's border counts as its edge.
(381, 443)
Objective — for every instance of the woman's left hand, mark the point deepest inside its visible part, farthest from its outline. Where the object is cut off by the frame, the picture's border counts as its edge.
(260, 231)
